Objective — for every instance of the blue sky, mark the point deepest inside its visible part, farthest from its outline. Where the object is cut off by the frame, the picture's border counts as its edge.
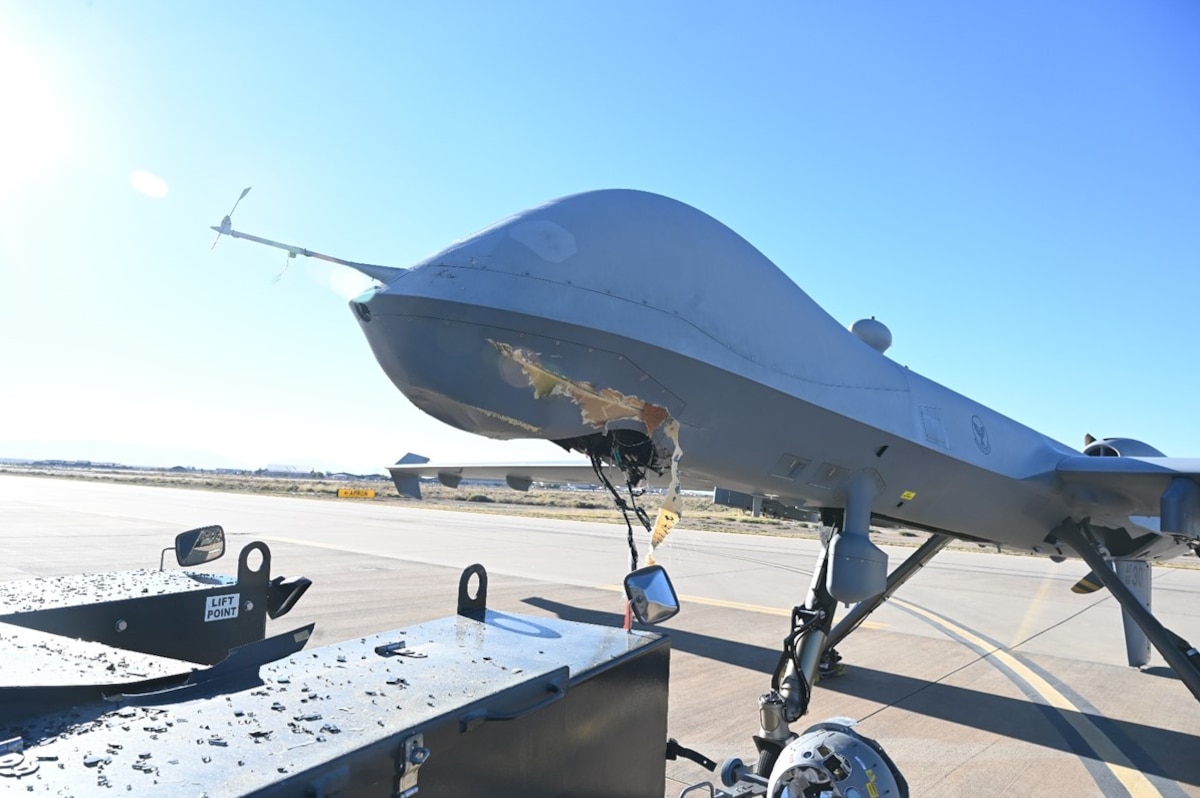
(1014, 188)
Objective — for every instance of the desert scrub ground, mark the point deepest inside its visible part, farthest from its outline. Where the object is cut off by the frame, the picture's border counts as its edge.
(575, 505)
(568, 504)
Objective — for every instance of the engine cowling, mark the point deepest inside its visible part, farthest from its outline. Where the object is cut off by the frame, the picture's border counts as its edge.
(1120, 447)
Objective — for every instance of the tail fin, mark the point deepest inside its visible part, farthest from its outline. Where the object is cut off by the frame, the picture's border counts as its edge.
(408, 484)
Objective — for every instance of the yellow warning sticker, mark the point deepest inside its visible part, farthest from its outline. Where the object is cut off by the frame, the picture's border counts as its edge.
(908, 495)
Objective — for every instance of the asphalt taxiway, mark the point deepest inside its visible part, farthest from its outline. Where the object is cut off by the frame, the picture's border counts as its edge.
(984, 676)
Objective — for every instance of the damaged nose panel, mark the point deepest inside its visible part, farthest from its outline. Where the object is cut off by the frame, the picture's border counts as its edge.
(597, 406)
(600, 406)
(459, 373)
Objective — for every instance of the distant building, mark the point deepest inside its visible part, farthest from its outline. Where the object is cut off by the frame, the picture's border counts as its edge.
(286, 471)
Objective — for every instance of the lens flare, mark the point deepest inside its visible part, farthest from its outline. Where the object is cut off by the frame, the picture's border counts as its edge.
(149, 184)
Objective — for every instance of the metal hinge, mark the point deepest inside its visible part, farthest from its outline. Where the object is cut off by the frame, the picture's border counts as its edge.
(412, 755)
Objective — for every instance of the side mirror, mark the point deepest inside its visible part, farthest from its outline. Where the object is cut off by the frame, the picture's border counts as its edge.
(651, 594)
(197, 546)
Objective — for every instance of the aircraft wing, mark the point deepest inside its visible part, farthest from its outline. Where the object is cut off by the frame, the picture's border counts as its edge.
(1140, 482)
(519, 476)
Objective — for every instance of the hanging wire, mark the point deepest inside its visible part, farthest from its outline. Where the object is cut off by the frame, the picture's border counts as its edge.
(623, 506)
(287, 262)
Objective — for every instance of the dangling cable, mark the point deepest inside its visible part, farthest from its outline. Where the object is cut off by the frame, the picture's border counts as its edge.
(598, 467)
(641, 514)
(287, 262)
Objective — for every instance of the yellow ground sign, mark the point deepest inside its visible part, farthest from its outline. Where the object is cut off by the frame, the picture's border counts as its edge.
(356, 493)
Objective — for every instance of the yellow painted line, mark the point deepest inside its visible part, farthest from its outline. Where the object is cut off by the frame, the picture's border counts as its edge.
(737, 605)
(1024, 629)
(733, 605)
(1110, 754)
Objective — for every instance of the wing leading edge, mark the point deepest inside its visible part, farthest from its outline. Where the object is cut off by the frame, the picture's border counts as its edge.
(517, 476)
(1168, 487)
(407, 474)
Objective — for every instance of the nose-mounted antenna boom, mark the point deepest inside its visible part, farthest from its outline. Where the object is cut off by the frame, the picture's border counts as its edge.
(384, 274)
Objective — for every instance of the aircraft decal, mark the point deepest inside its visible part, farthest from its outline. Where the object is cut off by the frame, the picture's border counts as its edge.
(981, 435)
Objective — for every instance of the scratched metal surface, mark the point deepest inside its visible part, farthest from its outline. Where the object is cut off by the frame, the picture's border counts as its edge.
(31, 658)
(29, 595)
(311, 707)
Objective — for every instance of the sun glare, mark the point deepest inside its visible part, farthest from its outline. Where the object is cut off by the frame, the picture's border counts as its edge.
(344, 281)
(33, 136)
(149, 184)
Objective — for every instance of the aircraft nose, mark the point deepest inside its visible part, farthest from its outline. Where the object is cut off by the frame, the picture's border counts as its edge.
(362, 310)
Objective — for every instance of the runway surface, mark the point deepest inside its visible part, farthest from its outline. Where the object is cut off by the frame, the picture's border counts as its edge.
(984, 676)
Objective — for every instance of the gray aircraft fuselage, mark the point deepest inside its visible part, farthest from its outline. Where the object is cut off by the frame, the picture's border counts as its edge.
(555, 322)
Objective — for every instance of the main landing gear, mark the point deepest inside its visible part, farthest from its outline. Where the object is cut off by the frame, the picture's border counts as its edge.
(1182, 656)
(847, 570)
(808, 650)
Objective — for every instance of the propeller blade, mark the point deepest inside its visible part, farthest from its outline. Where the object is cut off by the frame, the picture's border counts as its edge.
(1088, 584)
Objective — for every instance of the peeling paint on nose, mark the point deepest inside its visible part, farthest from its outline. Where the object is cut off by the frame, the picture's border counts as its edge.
(672, 508)
(597, 406)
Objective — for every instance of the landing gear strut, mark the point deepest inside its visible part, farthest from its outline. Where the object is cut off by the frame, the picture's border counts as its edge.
(797, 670)
(902, 573)
(808, 652)
(1183, 657)
(850, 568)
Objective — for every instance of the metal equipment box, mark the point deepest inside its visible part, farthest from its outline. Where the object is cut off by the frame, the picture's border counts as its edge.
(176, 614)
(482, 703)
